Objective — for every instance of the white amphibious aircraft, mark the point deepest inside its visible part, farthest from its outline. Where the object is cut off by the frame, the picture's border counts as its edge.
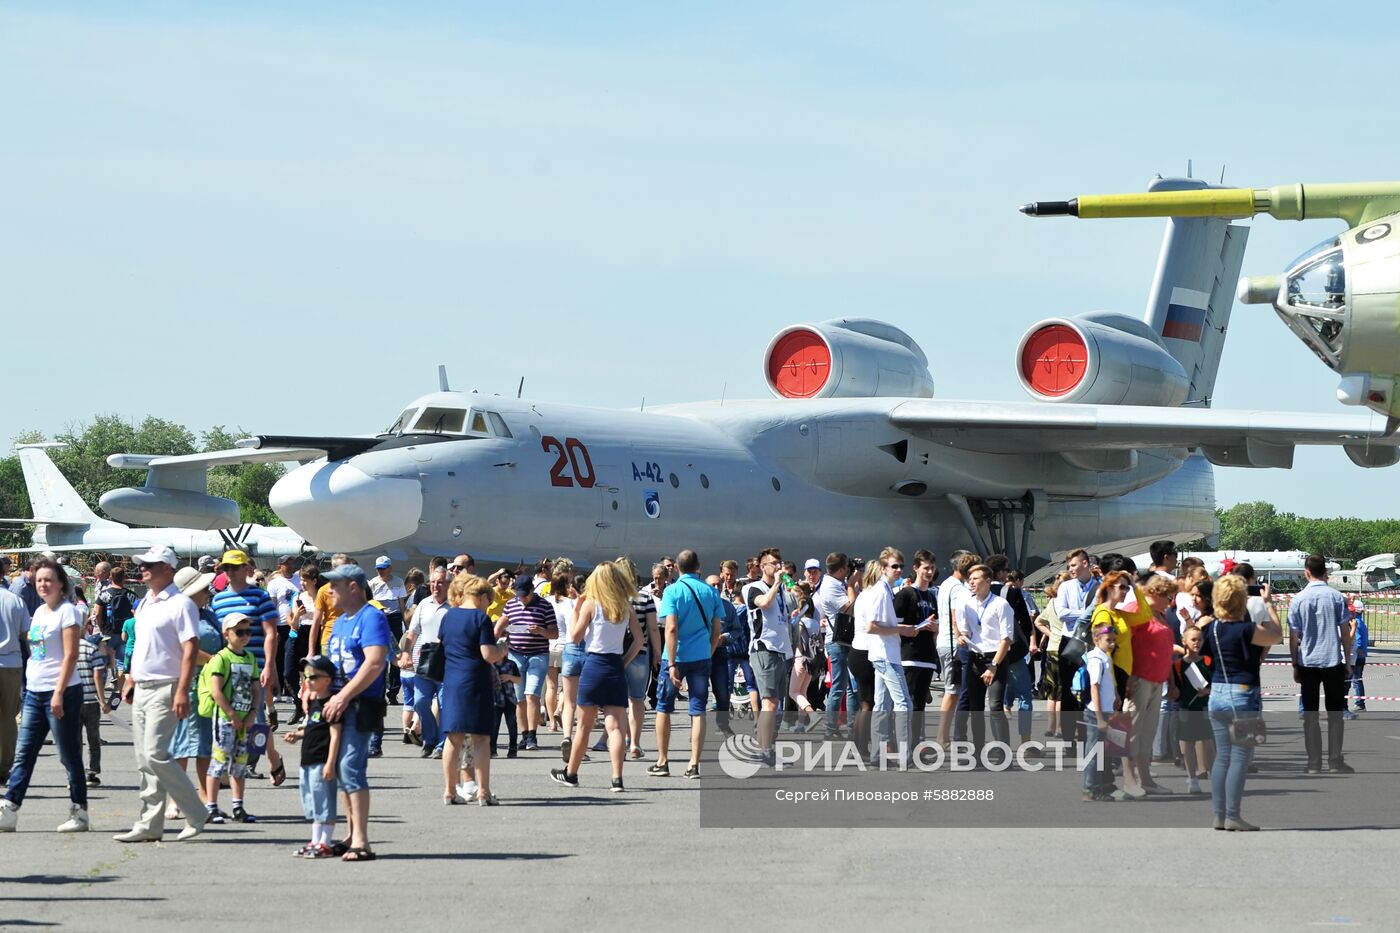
(1114, 450)
(63, 522)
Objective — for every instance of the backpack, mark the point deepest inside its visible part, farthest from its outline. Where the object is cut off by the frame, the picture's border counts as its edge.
(1079, 686)
(120, 607)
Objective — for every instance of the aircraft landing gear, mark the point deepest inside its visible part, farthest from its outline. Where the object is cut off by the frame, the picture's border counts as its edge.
(1007, 524)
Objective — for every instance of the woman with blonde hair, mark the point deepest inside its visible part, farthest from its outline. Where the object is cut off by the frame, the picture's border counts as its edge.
(858, 658)
(603, 619)
(1047, 622)
(467, 702)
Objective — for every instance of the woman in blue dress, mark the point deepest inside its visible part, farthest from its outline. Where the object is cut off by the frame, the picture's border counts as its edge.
(467, 701)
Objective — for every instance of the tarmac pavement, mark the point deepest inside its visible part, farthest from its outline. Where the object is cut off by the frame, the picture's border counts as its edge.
(550, 857)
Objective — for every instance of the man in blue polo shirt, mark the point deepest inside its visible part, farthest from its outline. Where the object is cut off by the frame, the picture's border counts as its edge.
(693, 615)
(1321, 633)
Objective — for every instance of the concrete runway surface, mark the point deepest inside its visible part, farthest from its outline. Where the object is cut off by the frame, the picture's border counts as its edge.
(552, 858)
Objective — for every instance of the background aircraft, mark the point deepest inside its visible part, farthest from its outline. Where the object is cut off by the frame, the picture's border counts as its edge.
(63, 522)
(853, 453)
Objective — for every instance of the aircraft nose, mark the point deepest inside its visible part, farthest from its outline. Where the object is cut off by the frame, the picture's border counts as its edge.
(339, 507)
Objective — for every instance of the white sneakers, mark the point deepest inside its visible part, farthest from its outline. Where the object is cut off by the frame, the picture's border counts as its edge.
(77, 820)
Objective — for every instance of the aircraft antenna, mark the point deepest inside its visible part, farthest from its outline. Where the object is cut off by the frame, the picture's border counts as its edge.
(442, 378)
(1222, 173)
(722, 391)
(520, 389)
(1188, 168)
(644, 404)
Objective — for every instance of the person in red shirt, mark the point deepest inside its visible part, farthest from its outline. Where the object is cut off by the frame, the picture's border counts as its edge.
(1153, 653)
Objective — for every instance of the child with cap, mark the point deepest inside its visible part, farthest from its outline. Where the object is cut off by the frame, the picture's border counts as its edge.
(231, 681)
(319, 752)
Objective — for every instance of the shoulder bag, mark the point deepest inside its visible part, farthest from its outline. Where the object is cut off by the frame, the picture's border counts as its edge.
(1246, 733)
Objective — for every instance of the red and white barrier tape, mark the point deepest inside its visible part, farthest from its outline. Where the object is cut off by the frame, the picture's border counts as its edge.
(1368, 663)
(1294, 696)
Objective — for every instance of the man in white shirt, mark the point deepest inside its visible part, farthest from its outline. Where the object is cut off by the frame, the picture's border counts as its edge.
(422, 630)
(770, 651)
(1163, 555)
(283, 587)
(951, 593)
(984, 622)
(1073, 600)
(830, 599)
(162, 666)
(882, 623)
(388, 590)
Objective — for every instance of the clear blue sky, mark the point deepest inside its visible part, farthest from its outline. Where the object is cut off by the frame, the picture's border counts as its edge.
(204, 205)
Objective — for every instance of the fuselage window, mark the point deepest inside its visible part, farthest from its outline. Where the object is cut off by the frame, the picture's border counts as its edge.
(401, 425)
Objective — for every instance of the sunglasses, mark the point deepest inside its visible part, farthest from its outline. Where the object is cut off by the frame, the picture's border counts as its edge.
(895, 566)
(242, 631)
(315, 677)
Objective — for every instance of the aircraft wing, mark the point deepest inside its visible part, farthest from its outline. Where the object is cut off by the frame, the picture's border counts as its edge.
(213, 458)
(1227, 437)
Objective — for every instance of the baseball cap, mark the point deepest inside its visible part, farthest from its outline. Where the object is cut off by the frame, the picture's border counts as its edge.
(191, 581)
(382, 561)
(524, 584)
(208, 564)
(288, 559)
(352, 572)
(158, 554)
(1358, 605)
(812, 564)
(319, 662)
(232, 619)
(234, 558)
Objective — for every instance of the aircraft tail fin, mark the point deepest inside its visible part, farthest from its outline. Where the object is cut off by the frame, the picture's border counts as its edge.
(52, 498)
(1194, 290)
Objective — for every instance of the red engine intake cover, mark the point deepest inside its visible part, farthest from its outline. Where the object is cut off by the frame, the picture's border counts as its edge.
(800, 364)
(1054, 360)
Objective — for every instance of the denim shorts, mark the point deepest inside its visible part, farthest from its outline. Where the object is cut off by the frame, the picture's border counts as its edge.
(317, 795)
(639, 676)
(571, 662)
(533, 669)
(696, 675)
(352, 767)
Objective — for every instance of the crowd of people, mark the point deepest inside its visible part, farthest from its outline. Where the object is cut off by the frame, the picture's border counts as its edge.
(1147, 666)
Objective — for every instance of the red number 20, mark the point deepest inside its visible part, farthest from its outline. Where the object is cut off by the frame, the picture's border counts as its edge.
(571, 453)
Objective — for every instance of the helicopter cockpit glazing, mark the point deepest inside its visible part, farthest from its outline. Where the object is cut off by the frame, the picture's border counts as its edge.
(1315, 293)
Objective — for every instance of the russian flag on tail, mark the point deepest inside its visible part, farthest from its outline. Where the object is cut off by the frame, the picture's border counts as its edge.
(1186, 315)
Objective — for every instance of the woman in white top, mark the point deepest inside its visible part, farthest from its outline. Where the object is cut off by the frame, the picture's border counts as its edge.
(559, 698)
(602, 620)
(53, 698)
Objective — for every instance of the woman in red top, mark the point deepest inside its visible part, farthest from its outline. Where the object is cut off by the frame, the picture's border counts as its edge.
(1152, 667)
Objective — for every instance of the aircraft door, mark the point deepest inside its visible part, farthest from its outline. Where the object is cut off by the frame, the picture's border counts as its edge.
(442, 520)
(612, 513)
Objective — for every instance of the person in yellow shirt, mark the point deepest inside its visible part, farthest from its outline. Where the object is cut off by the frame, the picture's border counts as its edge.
(1124, 607)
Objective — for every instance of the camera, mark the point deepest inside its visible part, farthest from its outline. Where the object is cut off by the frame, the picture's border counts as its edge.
(857, 564)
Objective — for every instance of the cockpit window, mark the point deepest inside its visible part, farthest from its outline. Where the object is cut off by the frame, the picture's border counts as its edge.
(498, 424)
(479, 423)
(1320, 283)
(441, 421)
(401, 425)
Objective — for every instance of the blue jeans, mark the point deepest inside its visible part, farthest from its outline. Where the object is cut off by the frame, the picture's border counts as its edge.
(572, 662)
(1231, 768)
(1097, 776)
(891, 695)
(638, 676)
(407, 682)
(353, 763)
(1018, 695)
(424, 692)
(533, 669)
(1165, 745)
(1358, 687)
(38, 719)
(843, 685)
(696, 675)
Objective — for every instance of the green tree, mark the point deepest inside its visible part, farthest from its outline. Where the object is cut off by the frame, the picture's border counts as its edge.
(1252, 526)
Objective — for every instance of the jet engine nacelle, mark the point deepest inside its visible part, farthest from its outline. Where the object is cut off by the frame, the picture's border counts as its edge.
(158, 507)
(1099, 358)
(846, 358)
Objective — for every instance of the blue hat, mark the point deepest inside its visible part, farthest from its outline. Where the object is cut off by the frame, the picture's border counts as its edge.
(382, 561)
(524, 584)
(352, 572)
(320, 663)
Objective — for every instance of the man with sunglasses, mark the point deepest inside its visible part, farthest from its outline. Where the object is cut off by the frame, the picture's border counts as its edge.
(885, 653)
(770, 652)
(462, 563)
(158, 692)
